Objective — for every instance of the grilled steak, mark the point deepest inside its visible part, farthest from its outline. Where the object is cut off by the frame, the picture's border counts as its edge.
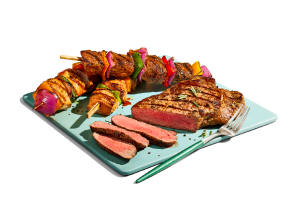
(115, 146)
(155, 70)
(184, 71)
(123, 65)
(119, 133)
(155, 135)
(215, 106)
(108, 103)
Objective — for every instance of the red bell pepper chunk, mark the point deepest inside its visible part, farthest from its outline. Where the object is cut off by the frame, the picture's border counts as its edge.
(169, 70)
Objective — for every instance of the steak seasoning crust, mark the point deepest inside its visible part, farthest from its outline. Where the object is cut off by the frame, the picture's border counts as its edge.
(210, 106)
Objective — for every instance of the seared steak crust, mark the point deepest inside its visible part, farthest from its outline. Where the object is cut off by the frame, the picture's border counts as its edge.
(155, 70)
(215, 106)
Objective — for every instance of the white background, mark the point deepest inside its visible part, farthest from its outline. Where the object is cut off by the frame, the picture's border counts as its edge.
(249, 47)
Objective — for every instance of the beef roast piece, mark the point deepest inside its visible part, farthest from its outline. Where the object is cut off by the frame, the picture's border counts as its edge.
(115, 146)
(119, 133)
(155, 70)
(214, 105)
(123, 65)
(184, 71)
(155, 135)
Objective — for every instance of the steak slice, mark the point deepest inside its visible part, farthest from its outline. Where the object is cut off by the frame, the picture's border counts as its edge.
(115, 146)
(119, 133)
(155, 135)
(214, 105)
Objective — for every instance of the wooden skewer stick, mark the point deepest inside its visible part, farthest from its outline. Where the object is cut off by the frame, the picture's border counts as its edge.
(70, 57)
(93, 110)
(38, 106)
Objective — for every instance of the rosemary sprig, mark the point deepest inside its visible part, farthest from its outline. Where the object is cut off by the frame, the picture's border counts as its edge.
(182, 96)
(195, 104)
(194, 91)
(204, 134)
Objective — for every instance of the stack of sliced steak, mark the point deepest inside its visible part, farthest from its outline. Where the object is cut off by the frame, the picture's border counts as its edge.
(129, 135)
(210, 106)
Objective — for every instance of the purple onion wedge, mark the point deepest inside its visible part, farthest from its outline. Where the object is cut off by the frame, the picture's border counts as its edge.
(45, 102)
(111, 63)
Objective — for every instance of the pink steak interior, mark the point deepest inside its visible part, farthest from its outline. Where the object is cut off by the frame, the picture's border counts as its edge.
(171, 120)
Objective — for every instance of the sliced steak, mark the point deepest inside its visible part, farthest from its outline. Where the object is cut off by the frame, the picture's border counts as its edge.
(155, 135)
(155, 70)
(114, 131)
(214, 105)
(115, 146)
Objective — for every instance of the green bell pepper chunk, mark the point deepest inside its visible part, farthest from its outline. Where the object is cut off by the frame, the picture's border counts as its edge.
(73, 90)
(115, 93)
(139, 65)
(100, 85)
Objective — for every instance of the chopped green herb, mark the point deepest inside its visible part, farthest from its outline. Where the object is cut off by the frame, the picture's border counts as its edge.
(204, 134)
(195, 104)
(194, 91)
(182, 96)
(210, 132)
(74, 100)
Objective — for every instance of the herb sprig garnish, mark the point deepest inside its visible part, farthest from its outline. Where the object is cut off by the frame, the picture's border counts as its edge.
(204, 134)
(194, 91)
(195, 104)
(182, 96)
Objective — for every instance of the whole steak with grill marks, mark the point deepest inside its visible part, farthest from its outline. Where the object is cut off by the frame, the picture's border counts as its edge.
(215, 105)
